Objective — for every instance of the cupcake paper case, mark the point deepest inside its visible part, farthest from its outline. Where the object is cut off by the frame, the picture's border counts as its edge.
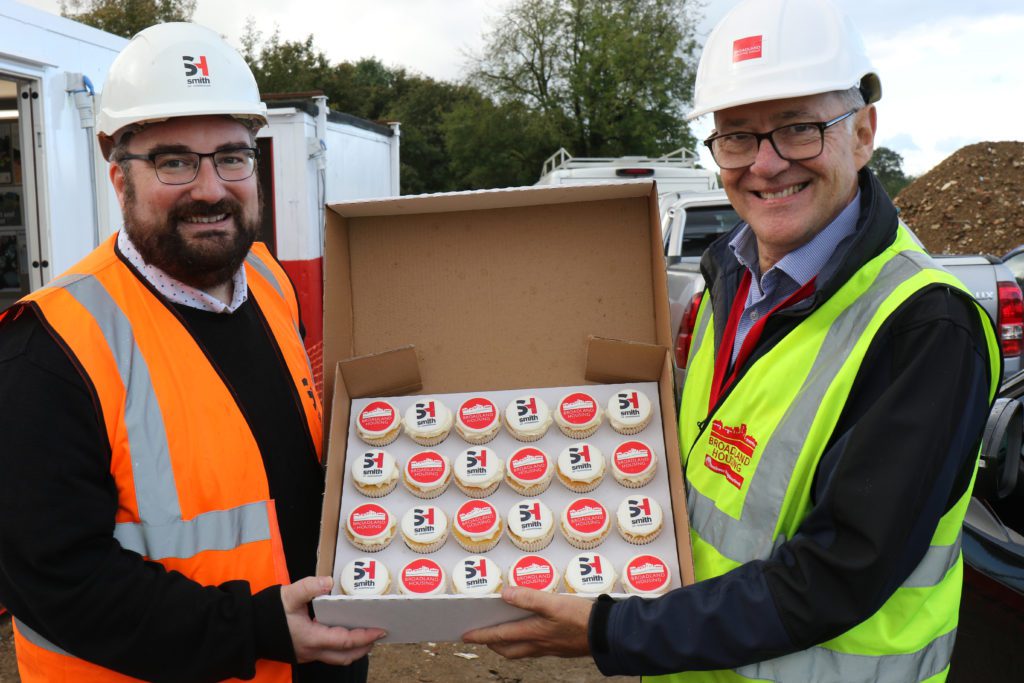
(428, 421)
(378, 424)
(629, 411)
(639, 519)
(374, 473)
(578, 415)
(634, 464)
(478, 471)
(370, 527)
(427, 474)
(477, 526)
(527, 418)
(424, 528)
(528, 471)
(531, 526)
(581, 467)
(585, 523)
(477, 420)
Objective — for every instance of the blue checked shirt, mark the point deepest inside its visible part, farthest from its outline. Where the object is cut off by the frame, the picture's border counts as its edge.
(791, 272)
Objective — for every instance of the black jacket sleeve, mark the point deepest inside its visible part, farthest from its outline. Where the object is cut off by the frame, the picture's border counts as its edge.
(61, 571)
(902, 454)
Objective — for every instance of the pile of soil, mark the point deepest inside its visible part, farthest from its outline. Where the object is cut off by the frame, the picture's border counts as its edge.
(971, 203)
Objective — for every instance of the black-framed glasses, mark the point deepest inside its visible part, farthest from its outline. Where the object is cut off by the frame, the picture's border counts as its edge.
(181, 168)
(792, 142)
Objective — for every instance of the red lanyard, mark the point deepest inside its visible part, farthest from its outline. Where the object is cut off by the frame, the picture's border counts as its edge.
(720, 382)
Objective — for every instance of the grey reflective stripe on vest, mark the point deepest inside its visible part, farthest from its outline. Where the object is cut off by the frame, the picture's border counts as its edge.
(822, 664)
(702, 325)
(31, 636)
(750, 537)
(162, 532)
(263, 270)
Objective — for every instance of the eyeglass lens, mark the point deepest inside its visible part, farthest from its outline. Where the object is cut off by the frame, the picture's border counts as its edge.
(178, 168)
(794, 143)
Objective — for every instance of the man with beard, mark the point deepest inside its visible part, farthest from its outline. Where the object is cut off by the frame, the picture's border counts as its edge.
(160, 480)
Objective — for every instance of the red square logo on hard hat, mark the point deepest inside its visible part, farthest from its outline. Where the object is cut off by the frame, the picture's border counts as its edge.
(746, 48)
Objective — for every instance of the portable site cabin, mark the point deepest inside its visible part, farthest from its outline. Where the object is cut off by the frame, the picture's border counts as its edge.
(56, 202)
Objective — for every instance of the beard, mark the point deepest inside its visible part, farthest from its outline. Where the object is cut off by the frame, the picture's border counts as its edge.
(205, 260)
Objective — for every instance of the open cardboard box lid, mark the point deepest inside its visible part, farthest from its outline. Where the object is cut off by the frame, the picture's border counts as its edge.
(490, 290)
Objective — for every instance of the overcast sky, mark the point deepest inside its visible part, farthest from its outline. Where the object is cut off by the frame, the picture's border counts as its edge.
(952, 70)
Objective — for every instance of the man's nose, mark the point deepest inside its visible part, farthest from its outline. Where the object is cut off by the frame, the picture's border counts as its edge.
(768, 163)
(207, 186)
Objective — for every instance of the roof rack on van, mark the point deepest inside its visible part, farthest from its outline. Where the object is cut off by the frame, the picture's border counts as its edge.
(680, 158)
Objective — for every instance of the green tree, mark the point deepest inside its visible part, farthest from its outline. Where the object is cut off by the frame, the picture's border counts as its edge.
(888, 166)
(126, 17)
(284, 66)
(613, 77)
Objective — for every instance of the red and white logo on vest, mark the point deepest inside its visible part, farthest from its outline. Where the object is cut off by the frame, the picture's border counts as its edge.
(426, 467)
(746, 48)
(732, 449)
(533, 571)
(369, 520)
(377, 417)
(578, 409)
(476, 517)
(421, 576)
(478, 413)
(528, 464)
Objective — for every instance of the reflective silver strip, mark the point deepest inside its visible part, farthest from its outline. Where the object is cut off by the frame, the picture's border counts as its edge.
(265, 271)
(216, 530)
(935, 564)
(702, 324)
(162, 533)
(822, 664)
(750, 537)
(31, 636)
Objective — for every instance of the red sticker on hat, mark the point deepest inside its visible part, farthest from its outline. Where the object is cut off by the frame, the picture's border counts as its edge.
(633, 457)
(379, 416)
(528, 464)
(421, 576)
(586, 515)
(476, 516)
(478, 413)
(426, 467)
(368, 520)
(533, 571)
(746, 48)
(647, 573)
(578, 409)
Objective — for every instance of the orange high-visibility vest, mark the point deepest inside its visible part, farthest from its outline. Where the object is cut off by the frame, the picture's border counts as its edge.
(192, 491)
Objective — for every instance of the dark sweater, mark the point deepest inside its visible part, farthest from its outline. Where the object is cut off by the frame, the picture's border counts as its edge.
(61, 571)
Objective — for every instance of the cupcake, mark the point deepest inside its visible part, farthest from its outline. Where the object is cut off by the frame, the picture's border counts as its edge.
(378, 423)
(533, 571)
(578, 415)
(477, 526)
(428, 421)
(629, 411)
(477, 421)
(589, 573)
(364, 576)
(529, 471)
(478, 472)
(427, 474)
(639, 519)
(374, 473)
(527, 418)
(585, 523)
(634, 464)
(476, 575)
(580, 467)
(646, 575)
(424, 528)
(531, 526)
(370, 527)
(422, 577)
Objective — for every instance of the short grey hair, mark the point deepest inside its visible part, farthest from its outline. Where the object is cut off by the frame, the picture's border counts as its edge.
(852, 98)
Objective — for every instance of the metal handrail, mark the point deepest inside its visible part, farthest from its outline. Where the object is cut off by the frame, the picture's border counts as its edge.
(682, 157)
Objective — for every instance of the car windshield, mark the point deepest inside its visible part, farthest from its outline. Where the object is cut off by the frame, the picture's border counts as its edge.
(704, 225)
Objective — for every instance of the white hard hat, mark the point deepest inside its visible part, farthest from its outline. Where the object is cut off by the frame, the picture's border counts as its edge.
(774, 49)
(176, 69)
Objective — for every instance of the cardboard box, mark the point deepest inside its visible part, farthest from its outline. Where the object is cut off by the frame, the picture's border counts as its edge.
(492, 290)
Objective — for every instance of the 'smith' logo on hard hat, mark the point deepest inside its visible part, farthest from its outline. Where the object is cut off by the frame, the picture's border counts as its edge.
(746, 48)
(195, 66)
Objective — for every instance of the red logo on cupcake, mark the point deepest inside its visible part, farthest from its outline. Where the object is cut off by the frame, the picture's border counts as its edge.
(478, 413)
(426, 467)
(586, 515)
(533, 571)
(476, 516)
(377, 417)
(368, 520)
(421, 576)
(647, 573)
(633, 457)
(528, 464)
(578, 409)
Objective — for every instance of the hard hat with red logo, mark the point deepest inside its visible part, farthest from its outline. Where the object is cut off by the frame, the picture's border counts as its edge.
(774, 49)
(176, 69)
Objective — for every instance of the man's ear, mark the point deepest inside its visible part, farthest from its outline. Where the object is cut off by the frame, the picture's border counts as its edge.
(865, 124)
(118, 180)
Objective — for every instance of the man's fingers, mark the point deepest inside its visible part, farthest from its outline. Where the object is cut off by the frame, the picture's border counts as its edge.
(528, 599)
(300, 593)
(516, 650)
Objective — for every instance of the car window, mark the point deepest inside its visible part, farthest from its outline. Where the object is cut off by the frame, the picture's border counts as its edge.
(704, 225)
(1016, 265)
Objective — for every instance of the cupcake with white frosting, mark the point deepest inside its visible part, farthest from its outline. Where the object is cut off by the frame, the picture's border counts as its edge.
(476, 575)
(585, 523)
(646, 575)
(528, 471)
(639, 519)
(364, 576)
(428, 421)
(422, 577)
(427, 474)
(478, 471)
(534, 571)
(477, 420)
(527, 418)
(424, 528)
(629, 411)
(578, 415)
(531, 526)
(581, 467)
(374, 473)
(634, 464)
(370, 527)
(590, 573)
(477, 526)
(378, 424)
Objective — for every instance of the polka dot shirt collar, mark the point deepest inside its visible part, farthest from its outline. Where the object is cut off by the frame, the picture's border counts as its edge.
(178, 292)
